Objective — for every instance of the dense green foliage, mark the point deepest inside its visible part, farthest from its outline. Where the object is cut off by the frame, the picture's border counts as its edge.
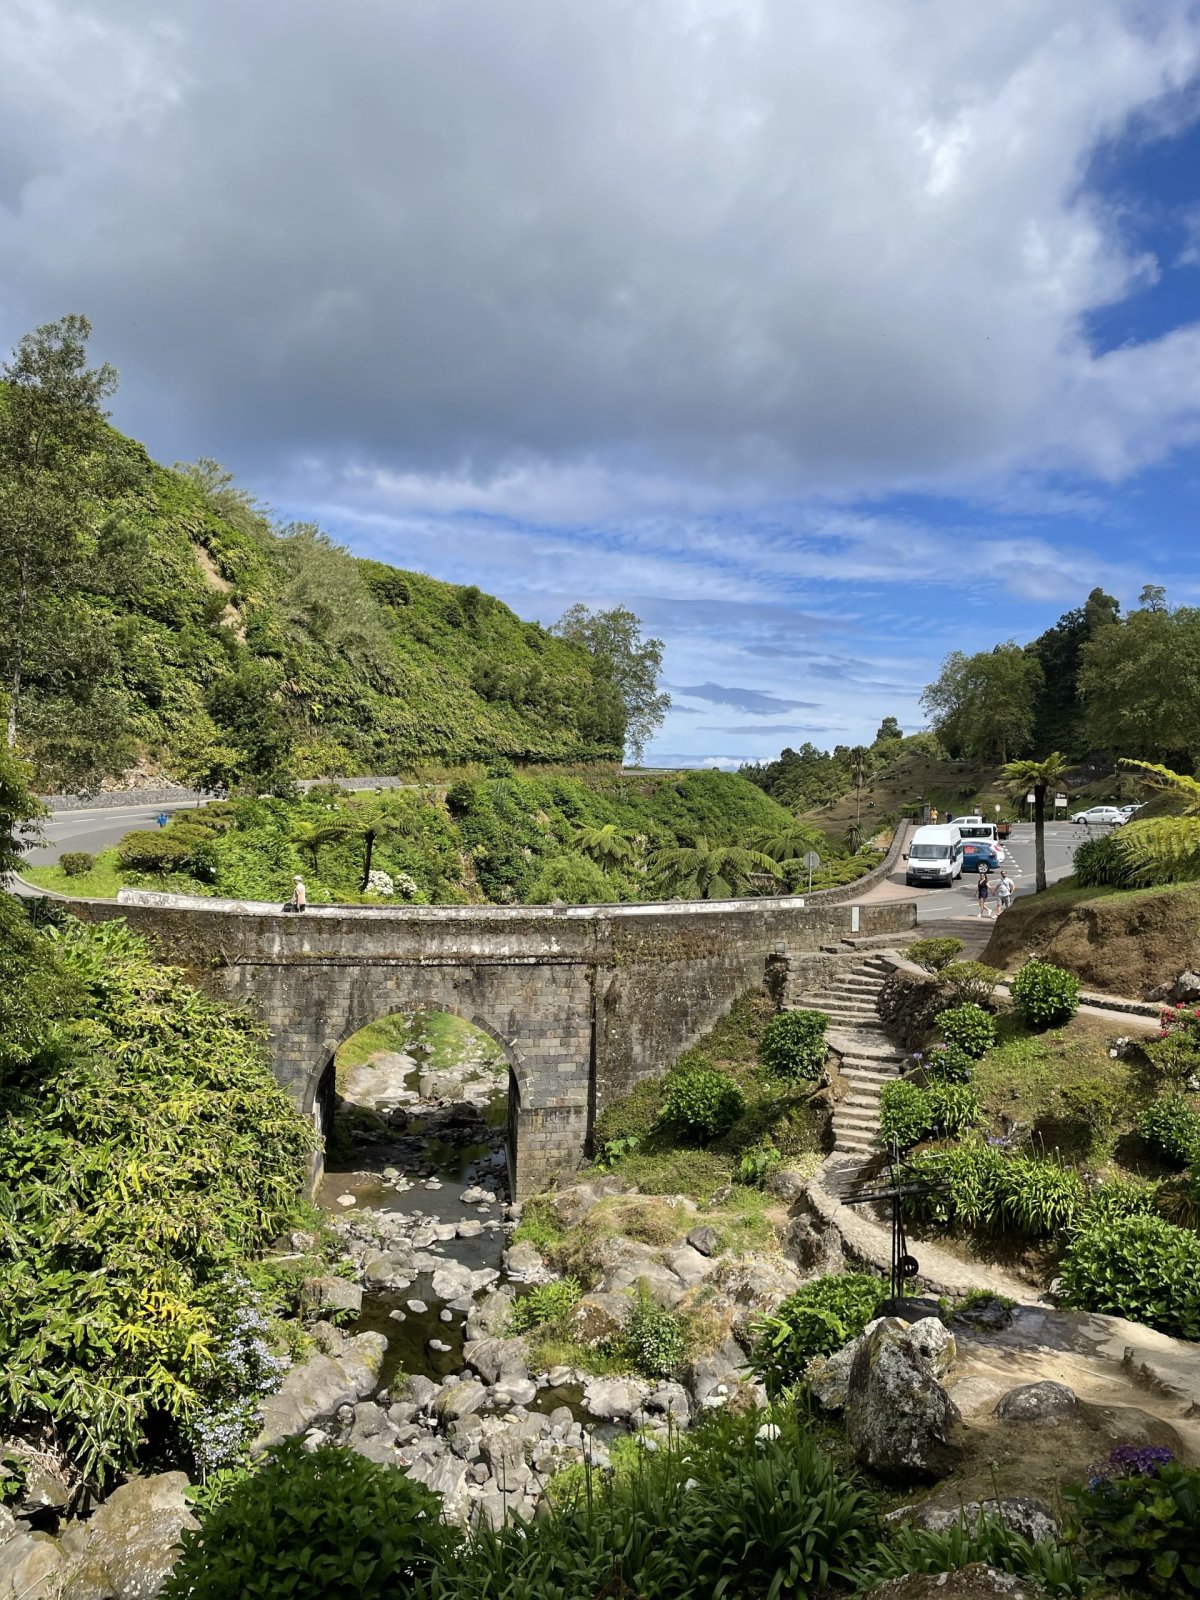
(793, 1045)
(983, 706)
(1137, 1523)
(1171, 1126)
(1176, 1051)
(1141, 1267)
(326, 1523)
(970, 982)
(934, 954)
(815, 1321)
(1045, 995)
(19, 812)
(701, 1103)
(1101, 863)
(654, 1339)
(942, 1110)
(146, 1157)
(969, 1028)
(979, 1186)
(163, 616)
(545, 1302)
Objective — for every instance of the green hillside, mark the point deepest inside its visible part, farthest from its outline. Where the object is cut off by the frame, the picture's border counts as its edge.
(160, 621)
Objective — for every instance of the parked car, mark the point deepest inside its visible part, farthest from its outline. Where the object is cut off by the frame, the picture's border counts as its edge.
(1100, 816)
(1128, 811)
(977, 828)
(978, 853)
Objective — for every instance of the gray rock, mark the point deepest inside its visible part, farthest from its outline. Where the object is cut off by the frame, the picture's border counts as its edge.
(1187, 986)
(934, 1342)
(899, 1419)
(31, 1568)
(444, 1473)
(489, 1315)
(690, 1266)
(420, 1392)
(1025, 1516)
(382, 1269)
(470, 1229)
(722, 1366)
(459, 1400)
(45, 1487)
(671, 1400)
(401, 1412)
(705, 1240)
(523, 1264)
(133, 1540)
(497, 1359)
(597, 1318)
(974, 1582)
(1043, 1403)
(332, 1293)
(479, 1473)
(417, 1307)
(369, 1421)
(465, 1436)
(505, 1455)
(613, 1399)
(318, 1387)
(514, 1392)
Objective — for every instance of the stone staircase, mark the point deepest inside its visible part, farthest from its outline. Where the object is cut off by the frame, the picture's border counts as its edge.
(869, 1059)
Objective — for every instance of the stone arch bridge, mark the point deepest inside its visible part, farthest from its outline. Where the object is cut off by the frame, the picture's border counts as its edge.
(585, 1001)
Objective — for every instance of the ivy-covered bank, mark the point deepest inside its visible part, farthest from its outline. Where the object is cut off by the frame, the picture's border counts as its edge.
(581, 838)
(147, 1160)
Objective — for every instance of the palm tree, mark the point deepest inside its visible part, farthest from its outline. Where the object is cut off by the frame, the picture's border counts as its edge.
(374, 823)
(1040, 776)
(313, 836)
(854, 838)
(1165, 849)
(860, 771)
(604, 845)
(705, 871)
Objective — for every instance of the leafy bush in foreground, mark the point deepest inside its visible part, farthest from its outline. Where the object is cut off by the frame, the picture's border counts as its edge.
(1138, 1524)
(1101, 863)
(701, 1103)
(909, 1114)
(933, 954)
(815, 1321)
(1171, 1125)
(1140, 1267)
(146, 1155)
(1045, 995)
(323, 1523)
(793, 1045)
(969, 1028)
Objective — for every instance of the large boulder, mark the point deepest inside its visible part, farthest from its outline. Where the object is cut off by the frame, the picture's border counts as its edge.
(1046, 1404)
(613, 1399)
(459, 1400)
(1032, 1519)
(523, 1264)
(331, 1294)
(318, 1387)
(31, 1567)
(597, 1318)
(132, 1540)
(497, 1360)
(899, 1419)
(976, 1582)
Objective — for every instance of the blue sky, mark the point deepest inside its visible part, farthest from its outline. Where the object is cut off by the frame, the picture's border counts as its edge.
(830, 339)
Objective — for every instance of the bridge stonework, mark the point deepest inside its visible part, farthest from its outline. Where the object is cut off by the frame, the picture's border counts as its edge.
(585, 1001)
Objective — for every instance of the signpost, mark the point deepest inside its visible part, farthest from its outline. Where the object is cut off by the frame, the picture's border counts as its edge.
(811, 860)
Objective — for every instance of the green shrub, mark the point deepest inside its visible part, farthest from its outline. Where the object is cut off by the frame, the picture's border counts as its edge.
(76, 862)
(793, 1045)
(701, 1103)
(952, 1108)
(1176, 1051)
(1044, 994)
(154, 851)
(903, 1114)
(755, 1164)
(970, 982)
(1171, 1126)
(1140, 1267)
(984, 1538)
(815, 1321)
(653, 1339)
(933, 954)
(1039, 1197)
(1101, 863)
(979, 1186)
(1090, 1108)
(969, 1028)
(546, 1303)
(949, 1063)
(324, 1522)
(1110, 1202)
(1138, 1524)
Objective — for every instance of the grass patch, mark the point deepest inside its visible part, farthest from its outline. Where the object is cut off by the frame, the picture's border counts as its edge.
(101, 883)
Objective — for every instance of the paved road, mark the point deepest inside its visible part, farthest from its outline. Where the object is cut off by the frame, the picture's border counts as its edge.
(92, 830)
(935, 905)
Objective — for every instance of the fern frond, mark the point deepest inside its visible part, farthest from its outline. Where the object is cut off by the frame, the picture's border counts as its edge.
(1162, 849)
(1160, 777)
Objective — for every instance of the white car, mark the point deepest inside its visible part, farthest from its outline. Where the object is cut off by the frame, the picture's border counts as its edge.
(1128, 811)
(1100, 816)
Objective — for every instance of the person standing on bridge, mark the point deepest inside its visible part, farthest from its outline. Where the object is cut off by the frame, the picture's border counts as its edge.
(299, 899)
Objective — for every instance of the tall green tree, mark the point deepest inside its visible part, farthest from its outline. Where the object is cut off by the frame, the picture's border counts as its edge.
(634, 664)
(982, 706)
(20, 813)
(248, 706)
(1058, 719)
(51, 427)
(1041, 777)
(1141, 686)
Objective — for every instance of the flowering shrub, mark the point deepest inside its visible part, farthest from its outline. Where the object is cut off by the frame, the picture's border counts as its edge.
(949, 1063)
(1138, 1523)
(1176, 1051)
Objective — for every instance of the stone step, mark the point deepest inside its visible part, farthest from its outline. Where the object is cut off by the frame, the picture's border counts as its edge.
(859, 1045)
(856, 980)
(876, 1080)
(861, 1101)
(862, 1115)
(834, 1004)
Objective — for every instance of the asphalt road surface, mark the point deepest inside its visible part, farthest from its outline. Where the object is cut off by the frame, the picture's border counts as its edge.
(1061, 840)
(92, 830)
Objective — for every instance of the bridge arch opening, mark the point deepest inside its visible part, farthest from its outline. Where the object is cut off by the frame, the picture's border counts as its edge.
(429, 1082)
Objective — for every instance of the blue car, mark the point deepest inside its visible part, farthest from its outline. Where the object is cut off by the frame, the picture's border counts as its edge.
(979, 853)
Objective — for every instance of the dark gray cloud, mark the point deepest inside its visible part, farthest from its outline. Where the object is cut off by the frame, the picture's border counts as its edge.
(465, 241)
(756, 701)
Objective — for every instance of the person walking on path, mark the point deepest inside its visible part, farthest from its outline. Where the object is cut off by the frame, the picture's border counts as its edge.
(1005, 890)
(162, 819)
(982, 891)
(299, 899)
(933, 815)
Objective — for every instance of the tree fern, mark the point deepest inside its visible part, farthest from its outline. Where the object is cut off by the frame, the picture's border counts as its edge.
(1164, 849)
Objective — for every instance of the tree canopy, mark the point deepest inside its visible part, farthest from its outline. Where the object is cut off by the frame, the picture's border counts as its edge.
(982, 706)
(634, 665)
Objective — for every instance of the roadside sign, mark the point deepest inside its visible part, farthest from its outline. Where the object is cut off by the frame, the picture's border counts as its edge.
(811, 860)
(1060, 799)
(1029, 798)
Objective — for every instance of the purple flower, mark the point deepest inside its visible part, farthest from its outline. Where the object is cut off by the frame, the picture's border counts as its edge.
(1130, 1460)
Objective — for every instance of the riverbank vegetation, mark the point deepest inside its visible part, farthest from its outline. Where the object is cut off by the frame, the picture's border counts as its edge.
(576, 837)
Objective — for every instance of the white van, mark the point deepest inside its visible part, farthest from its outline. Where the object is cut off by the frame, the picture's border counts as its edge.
(934, 856)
